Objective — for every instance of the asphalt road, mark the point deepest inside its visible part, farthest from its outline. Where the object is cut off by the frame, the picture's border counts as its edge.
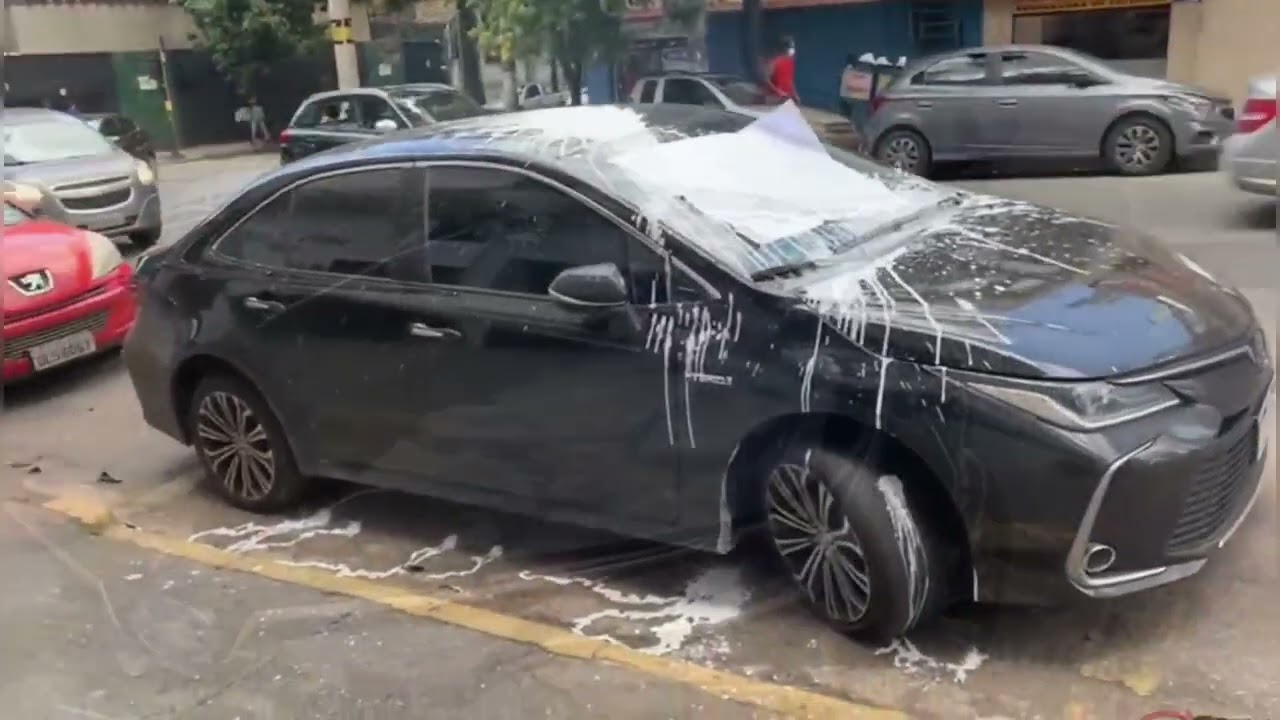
(1209, 644)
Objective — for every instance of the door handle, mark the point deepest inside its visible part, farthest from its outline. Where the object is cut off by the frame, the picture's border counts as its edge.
(271, 306)
(924, 104)
(1007, 103)
(422, 330)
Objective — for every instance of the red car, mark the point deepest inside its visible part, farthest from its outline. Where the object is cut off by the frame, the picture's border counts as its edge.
(67, 294)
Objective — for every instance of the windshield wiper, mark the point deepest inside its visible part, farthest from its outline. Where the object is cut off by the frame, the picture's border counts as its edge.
(950, 201)
(778, 271)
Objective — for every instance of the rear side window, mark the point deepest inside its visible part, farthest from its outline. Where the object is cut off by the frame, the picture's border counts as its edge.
(962, 70)
(647, 90)
(349, 224)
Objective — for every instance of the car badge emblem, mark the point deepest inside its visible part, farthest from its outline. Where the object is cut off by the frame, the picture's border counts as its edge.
(32, 283)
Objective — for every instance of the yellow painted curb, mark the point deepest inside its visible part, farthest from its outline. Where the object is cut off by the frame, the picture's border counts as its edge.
(783, 699)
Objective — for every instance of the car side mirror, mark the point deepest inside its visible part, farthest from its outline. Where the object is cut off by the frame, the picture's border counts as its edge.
(590, 287)
(386, 125)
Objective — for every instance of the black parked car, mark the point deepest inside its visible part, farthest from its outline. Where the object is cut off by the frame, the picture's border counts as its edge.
(334, 118)
(923, 396)
(125, 133)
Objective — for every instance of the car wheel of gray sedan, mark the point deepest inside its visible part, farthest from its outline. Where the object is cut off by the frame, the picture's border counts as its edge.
(862, 556)
(144, 239)
(905, 150)
(242, 447)
(1139, 145)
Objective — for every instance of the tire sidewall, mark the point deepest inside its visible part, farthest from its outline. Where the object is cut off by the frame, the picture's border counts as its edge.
(1163, 159)
(287, 482)
(894, 560)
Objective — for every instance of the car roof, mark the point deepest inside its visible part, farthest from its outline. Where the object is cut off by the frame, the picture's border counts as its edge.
(381, 91)
(537, 136)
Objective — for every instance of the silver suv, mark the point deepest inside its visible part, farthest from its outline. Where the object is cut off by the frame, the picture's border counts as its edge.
(1037, 101)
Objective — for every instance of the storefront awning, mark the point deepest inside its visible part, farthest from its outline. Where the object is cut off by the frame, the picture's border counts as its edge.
(1044, 7)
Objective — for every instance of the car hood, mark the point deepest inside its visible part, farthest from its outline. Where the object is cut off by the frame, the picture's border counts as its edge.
(1008, 287)
(59, 172)
(44, 246)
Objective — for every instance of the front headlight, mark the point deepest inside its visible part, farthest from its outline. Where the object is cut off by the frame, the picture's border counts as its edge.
(104, 256)
(22, 195)
(146, 175)
(1186, 103)
(1078, 405)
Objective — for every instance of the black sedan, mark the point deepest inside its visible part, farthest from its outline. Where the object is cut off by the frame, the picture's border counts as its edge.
(672, 324)
(329, 119)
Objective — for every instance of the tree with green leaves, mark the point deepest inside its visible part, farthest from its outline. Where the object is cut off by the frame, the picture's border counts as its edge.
(246, 37)
(574, 33)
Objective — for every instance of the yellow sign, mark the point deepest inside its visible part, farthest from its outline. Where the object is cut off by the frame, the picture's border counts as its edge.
(1043, 7)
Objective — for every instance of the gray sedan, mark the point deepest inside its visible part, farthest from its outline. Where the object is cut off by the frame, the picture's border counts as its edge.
(71, 173)
(1252, 155)
(1037, 101)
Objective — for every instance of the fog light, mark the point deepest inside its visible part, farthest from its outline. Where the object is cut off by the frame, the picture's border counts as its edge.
(1098, 557)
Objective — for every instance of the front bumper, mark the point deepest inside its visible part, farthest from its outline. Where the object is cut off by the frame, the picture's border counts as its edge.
(107, 309)
(1201, 138)
(139, 211)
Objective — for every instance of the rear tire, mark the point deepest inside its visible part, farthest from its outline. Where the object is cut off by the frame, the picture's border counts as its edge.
(905, 150)
(866, 561)
(1138, 145)
(242, 446)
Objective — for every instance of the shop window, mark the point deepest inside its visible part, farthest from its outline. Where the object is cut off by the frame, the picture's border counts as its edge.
(1137, 34)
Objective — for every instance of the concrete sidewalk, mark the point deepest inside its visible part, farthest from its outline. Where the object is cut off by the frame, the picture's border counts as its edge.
(99, 629)
(217, 151)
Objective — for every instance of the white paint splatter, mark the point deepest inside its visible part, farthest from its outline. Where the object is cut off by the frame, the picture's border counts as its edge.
(411, 566)
(714, 597)
(910, 544)
(1195, 267)
(908, 657)
(884, 374)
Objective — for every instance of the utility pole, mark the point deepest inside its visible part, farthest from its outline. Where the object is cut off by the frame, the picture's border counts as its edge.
(344, 45)
(167, 84)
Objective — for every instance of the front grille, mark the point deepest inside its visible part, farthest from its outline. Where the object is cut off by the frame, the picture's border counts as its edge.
(58, 305)
(16, 348)
(89, 184)
(97, 202)
(1213, 494)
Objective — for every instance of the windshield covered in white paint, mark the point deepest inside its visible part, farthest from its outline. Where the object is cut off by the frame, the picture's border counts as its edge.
(762, 195)
(36, 142)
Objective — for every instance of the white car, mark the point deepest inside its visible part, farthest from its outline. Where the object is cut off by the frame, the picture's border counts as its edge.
(1252, 156)
(735, 95)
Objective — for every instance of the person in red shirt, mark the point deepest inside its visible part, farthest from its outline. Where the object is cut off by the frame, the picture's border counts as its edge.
(782, 72)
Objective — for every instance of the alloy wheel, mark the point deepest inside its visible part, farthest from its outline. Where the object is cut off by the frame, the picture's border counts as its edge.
(1137, 147)
(902, 153)
(237, 446)
(817, 543)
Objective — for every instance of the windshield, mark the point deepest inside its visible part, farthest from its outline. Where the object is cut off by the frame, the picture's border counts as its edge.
(13, 216)
(741, 92)
(441, 106)
(51, 140)
(757, 195)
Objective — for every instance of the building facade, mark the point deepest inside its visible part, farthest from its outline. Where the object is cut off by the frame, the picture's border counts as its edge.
(1216, 44)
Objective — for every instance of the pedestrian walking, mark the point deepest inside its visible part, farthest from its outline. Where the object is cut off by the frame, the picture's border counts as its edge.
(782, 71)
(257, 123)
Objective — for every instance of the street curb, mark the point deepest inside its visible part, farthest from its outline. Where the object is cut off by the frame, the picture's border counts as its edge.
(784, 699)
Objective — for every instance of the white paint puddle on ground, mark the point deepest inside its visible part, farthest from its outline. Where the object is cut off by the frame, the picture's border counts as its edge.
(908, 657)
(712, 598)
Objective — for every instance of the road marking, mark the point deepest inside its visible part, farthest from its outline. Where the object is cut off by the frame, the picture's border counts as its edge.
(783, 699)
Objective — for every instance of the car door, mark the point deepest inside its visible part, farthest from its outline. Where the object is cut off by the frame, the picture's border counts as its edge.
(318, 328)
(1048, 105)
(323, 123)
(944, 101)
(516, 393)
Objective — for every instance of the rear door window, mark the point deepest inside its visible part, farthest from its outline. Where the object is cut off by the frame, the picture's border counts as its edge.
(687, 91)
(959, 70)
(373, 108)
(327, 113)
(1037, 68)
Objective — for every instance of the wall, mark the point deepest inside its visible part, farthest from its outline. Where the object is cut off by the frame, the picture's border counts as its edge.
(825, 35)
(113, 27)
(1220, 44)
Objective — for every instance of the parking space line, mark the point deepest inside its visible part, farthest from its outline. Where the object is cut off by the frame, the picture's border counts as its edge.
(786, 700)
